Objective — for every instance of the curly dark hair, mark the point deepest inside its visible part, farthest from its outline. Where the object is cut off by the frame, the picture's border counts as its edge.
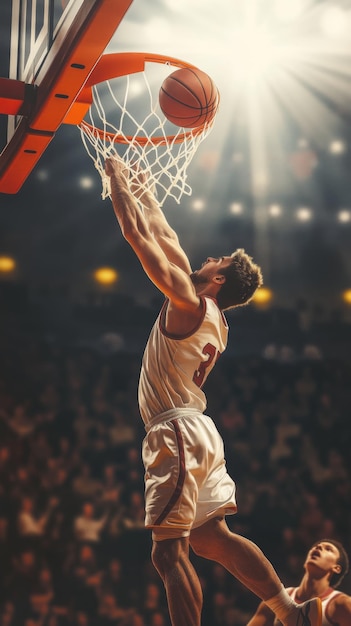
(242, 278)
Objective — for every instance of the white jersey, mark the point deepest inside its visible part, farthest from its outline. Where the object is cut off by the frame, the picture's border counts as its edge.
(325, 599)
(174, 368)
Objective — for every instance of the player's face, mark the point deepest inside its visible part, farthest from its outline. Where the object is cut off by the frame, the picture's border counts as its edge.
(210, 268)
(324, 556)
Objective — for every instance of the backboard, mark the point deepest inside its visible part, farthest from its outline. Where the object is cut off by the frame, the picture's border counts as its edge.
(55, 45)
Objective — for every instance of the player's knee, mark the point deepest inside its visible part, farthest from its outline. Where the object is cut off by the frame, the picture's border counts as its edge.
(165, 555)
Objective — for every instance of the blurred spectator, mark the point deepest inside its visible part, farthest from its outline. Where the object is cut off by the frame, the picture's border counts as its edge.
(158, 619)
(23, 580)
(121, 432)
(86, 527)
(85, 580)
(134, 517)
(152, 600)
(20, 422)
(110, 613)
(85, 485)
(39, 610)
(31, 525)
(43, 590)
(136, 619)
(66, 456)
(5, 548)
(22, 481)
(83, 619)
(8, 614)
(110, 486)
(133, 474)
(114, 581)
(40, 451)
(83, 422)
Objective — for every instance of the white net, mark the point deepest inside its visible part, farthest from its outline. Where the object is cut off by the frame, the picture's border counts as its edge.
(145, 141)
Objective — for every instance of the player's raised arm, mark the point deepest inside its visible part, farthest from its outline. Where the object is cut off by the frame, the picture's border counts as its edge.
(166, 236)
(172, 279)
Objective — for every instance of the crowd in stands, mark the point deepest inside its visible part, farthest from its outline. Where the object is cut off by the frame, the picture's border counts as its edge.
(73, 548)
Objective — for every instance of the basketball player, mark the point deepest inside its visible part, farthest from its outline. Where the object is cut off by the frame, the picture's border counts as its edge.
(325, 566)
(188, 491)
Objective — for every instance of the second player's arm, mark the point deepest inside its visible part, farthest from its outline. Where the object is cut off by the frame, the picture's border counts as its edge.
(340, 610)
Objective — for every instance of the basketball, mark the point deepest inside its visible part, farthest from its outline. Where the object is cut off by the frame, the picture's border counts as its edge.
(189, 98)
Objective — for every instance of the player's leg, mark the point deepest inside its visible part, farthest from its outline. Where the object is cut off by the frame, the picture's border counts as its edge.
(170, 503)
(183, 589)
(242, 558)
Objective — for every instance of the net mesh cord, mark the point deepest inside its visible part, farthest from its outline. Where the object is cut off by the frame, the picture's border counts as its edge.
(144, 142)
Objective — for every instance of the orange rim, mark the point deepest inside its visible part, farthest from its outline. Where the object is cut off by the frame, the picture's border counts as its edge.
(120, 64)
(143, 141)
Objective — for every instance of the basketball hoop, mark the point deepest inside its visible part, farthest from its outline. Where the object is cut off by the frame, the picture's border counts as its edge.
(115, 126)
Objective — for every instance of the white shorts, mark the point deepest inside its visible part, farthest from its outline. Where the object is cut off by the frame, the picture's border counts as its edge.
(186, 480)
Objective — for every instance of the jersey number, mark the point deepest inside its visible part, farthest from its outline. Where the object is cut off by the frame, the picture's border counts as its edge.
(200, 373)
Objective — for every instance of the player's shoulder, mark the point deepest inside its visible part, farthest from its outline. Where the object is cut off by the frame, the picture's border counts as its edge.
(340, 597)
(339, 607)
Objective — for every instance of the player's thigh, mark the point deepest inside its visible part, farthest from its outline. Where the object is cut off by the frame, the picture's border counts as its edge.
(210, 537)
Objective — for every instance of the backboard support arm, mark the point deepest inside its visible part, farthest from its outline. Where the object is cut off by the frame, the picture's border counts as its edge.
(63, 74)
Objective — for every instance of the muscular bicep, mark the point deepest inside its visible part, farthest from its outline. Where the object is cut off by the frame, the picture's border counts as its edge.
(263, 616)
(168, 277)
(174, 252)
(164, 234)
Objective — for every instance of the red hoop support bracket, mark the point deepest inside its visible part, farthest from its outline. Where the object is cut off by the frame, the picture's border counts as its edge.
(62, 75)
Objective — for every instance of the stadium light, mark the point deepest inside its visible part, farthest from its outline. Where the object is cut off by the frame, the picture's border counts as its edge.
(275, 210)
(236, 208)
(106, 275)
(346, 296)
(263, 296)
(198, 204)
(344, 216)
(304, 214)
(7, 264)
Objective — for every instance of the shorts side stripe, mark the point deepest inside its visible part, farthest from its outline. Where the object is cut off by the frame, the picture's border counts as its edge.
(181, 476)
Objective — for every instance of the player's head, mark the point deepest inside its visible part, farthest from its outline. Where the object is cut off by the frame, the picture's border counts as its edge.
(341, 560)
(242, 278)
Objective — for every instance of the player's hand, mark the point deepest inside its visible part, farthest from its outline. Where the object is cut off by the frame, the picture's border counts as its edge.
(138, 181)
(115, 167)
(140, 185)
